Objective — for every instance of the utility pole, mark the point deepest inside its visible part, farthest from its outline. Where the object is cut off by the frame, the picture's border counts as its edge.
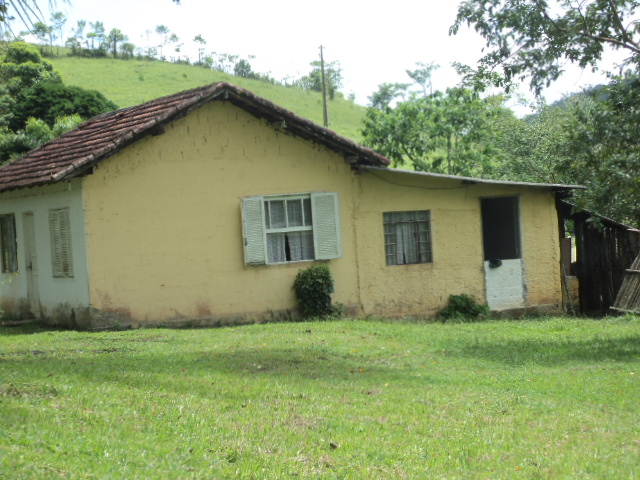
(325, 111)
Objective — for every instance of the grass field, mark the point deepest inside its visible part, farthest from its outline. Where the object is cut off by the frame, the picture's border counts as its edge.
(352, 399)
(130, 82)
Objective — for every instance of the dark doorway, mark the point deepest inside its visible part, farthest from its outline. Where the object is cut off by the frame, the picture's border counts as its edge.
(500, 228)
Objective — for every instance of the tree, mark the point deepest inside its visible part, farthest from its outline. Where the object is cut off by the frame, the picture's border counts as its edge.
(114, 38)
(386, 94)
(538, 145)
(74, 45)
(593, 141)
(163, 31)
(79, 30)
(50, 99)
(177, 47)
(42, 32)
(243, 69)
(201, 42)
(98, 34)
(36, 132)
(20, 68)
(422, 76)
(605, 153)
(58, 20)
(127, 49)
(313, 80)
(455, 132)
(535, 39)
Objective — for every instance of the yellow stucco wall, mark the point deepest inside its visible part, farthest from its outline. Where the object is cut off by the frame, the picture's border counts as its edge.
(456, 226)
(164, 220)
(164, 234)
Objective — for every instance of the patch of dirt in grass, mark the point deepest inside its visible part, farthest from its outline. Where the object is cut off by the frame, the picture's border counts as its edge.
(27, 390)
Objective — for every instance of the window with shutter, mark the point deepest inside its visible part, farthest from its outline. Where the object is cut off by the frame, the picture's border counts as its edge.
(60, 228)
(407, 237)
(9, 243)
(291, 228)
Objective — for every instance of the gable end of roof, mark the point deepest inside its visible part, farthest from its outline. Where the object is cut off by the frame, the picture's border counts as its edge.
(79, 150)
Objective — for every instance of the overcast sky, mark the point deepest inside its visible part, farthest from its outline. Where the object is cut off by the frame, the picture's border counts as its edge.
(374, 42)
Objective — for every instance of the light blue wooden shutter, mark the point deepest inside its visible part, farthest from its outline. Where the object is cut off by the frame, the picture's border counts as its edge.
(60, 228)
(253, 230)
(326, 225)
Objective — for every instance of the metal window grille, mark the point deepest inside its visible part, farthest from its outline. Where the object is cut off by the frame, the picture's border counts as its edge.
(407, 237)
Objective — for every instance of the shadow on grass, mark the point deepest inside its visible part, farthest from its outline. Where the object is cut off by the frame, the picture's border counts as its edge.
(557, 352)
(198, 373)
(26, 328)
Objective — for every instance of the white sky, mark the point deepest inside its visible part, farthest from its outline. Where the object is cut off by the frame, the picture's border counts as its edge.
(374, 42)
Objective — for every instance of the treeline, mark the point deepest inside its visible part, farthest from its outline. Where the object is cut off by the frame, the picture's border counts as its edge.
(94, 40)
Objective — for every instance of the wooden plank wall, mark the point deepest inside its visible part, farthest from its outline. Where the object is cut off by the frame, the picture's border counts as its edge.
(628, 299)
(604, 253)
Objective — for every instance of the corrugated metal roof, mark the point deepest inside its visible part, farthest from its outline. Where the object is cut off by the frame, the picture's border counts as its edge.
(78, 150)
(471, 180)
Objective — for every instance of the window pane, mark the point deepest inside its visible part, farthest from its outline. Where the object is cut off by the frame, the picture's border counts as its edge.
(267, 219)
(9, 246)
(275, 248)
(294, 213)
(407, 237)
(406, 234)
(300, 246)
(278, 218)
(306, 203)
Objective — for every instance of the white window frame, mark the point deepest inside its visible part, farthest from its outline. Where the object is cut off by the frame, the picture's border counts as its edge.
(325, 226)
(394, 248)
(61, 253)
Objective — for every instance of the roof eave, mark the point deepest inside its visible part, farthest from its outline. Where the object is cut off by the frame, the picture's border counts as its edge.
(474, 181)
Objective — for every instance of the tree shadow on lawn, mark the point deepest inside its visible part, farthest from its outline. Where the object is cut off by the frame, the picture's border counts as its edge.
(195, 372)
(557, 352)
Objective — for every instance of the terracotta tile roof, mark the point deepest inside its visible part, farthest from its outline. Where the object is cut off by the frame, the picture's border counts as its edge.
(78, 150)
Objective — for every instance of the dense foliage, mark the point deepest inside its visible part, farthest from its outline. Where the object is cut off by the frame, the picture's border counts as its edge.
(592, 138)
(313, 287)
(463, 308)
(452, 132)
(534, 38)
(50, 99)
(35, 105)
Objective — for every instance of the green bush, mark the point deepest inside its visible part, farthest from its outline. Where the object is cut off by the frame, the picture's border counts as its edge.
(313, 287)
(463, 308)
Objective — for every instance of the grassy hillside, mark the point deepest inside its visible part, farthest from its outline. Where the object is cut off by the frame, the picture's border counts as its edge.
(130, 82)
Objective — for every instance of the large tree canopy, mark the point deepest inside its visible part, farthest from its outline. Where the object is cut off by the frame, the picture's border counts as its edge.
(453, 132)
(535, 38)
(33, 99)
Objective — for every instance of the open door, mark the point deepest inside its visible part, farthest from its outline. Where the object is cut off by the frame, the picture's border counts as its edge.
(503, 266)
(31, 263)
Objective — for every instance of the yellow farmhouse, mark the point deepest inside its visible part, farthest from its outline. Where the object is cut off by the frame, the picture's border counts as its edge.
(201, 207)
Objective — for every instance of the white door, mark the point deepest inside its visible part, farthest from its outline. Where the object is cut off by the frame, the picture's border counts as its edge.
(31, 263)
(503, 266)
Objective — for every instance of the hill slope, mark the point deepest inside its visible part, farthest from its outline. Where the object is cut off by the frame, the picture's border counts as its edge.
(130, 82)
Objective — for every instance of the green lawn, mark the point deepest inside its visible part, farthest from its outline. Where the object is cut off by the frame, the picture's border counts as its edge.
(357, 399)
